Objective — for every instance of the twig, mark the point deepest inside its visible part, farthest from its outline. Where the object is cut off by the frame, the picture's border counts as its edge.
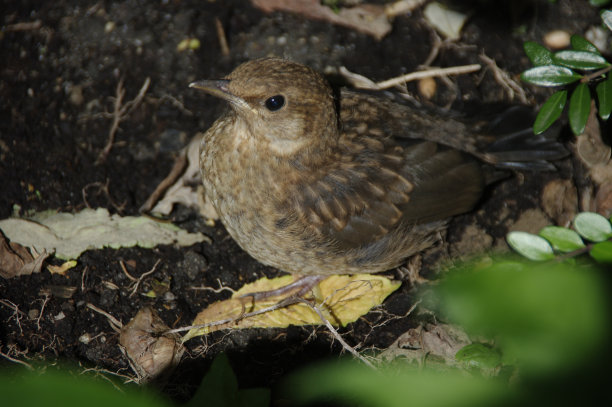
(336, 335)
(42, 309)
(142, 276)
(120, 113)
(215, 290)
(34, 25)
(222, 38)
(83, 278)
(21, 362)
(99, 372)
(362, 82)
(595, 74)
(177, 170)
(104, 188)
(17, 313)
(115, 324)
(128, 275)
(501, 77)
(284, 303)
(429, 73)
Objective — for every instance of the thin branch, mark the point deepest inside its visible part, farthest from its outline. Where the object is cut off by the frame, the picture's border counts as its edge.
(27, 26)
(113, 322)
(512, 87)
(21, 362)
(222, 38)
(142, 276)
(429, 73)
(120, 113)
(335, 333)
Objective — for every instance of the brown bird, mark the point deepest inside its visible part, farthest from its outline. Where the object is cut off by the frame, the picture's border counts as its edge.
(314, 183)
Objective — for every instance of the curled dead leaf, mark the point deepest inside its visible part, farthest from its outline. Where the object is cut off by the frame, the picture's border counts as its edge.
(151, 352)
(16, 260)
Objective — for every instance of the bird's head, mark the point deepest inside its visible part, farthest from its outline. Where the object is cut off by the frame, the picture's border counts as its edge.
(287, 105)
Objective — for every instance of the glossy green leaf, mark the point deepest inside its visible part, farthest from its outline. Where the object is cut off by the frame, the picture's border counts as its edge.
(593, 226)
(531, 246)
(598, 3)
(550, 75)
(602, 252)
(604, 97)
(579, 43)
(538, 54)
(562, 239)
(606, 16)
(580, 59)
(550, 111)
(579, 108)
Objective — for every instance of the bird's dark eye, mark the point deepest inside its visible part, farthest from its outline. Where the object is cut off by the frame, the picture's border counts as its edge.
(275, 102)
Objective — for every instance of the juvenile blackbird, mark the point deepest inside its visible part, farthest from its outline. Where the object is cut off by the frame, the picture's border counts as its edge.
(314, 183)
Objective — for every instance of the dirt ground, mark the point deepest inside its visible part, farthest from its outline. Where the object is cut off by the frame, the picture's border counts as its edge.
(60, 73)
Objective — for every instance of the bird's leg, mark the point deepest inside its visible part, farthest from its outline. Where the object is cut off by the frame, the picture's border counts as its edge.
(301, 285)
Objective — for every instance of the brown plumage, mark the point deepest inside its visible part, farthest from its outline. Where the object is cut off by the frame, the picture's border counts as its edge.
(317, 185)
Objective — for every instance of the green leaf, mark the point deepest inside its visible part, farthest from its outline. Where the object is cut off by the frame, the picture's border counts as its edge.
(580, 59)
(579, 43)
(529, 310)
(598, 3)
(579, 108)
(479, 355)
(66, 389)
(219, 388)
(550, 111)
(604, 97)
(531, 246)
(602, 252)
(593, 226)
(606, 16)
(538, 54)
(562, 239)
(550, 75)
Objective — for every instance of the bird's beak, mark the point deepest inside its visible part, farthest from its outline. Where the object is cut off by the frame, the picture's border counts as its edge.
(220, 89)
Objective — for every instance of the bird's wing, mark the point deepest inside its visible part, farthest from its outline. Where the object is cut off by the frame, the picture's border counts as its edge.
(376, 187)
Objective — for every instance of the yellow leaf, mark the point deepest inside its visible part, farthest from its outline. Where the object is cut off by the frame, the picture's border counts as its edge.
(63, 268)
(341, 299)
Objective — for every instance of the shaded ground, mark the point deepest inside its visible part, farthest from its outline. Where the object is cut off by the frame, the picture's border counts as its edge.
(56, 79)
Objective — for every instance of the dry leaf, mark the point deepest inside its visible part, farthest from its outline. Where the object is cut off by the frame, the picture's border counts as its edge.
(62, 269)
(16, 260)
(151, 353)
(342, 299)
(440, 340)
(183, 185)
(370, 19)
(71, 234)
(447, 22)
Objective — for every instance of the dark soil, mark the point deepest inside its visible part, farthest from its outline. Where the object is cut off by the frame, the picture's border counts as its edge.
(55, 80)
